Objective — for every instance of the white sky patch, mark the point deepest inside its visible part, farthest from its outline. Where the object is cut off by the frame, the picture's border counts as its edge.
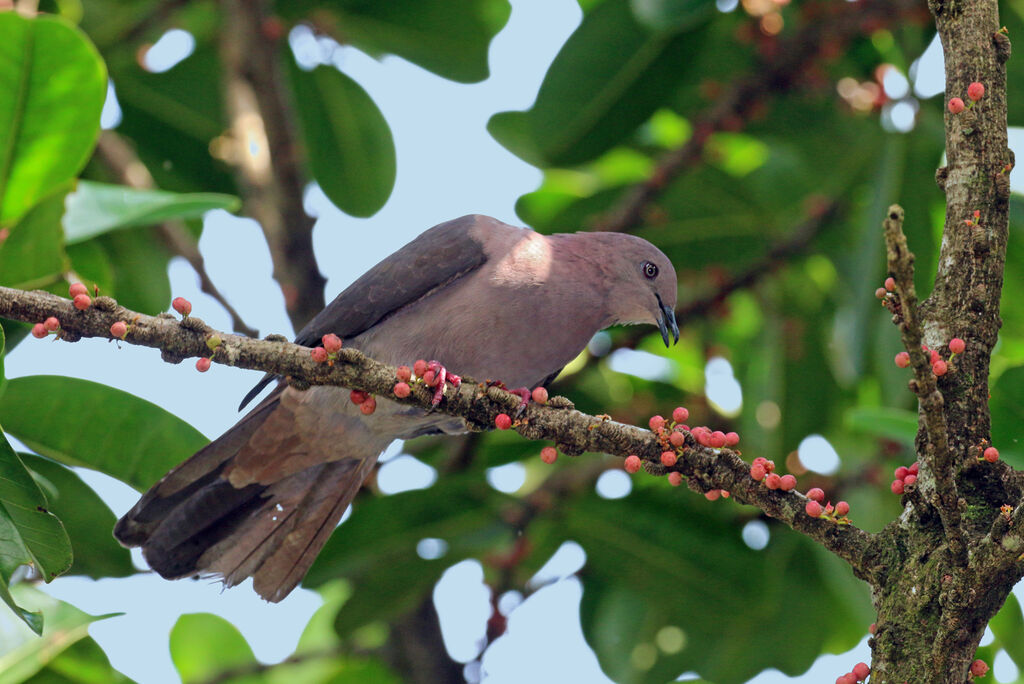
(463, 606)
(641, 364)
(569, 558)
(110, 116)
(405, 473)
(722, 388)
(756, 535)
(928, 72)
(614, 484)
(895, 84)
(168, 50)
(507, 478)
(600, 344)
(818, 455)
(901, 116)
(305, 47)
(431, 548)
(1003, 668)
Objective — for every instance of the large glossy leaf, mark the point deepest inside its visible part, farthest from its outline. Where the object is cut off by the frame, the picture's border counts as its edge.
(139, 262)
(54, 84)
(348, 142)
(87, 519)
(1007, 406)
(83, 662)
(96, 208)
(668, 14)
(29, 533)
(448, 37)
(607, 79)
(84, 423)
(32, 256)
(697, 582)
(22, 652)
(204, 645)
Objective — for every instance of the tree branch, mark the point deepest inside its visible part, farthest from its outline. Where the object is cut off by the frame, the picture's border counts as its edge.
(478, 404)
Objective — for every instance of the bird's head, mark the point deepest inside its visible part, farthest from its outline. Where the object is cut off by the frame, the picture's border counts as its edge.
(645, 285)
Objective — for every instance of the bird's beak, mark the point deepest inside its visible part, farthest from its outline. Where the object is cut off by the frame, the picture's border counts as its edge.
(666, 322)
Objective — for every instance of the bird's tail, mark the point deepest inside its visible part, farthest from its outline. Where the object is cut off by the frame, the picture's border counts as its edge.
(259, 501)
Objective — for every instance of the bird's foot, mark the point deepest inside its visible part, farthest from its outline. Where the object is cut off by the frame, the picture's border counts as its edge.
(524, 399)
(436, 376)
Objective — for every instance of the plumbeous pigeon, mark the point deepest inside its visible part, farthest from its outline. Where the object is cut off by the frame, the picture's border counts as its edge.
(482, 297)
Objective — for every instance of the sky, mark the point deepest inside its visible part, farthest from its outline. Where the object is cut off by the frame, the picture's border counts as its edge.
(447, 166)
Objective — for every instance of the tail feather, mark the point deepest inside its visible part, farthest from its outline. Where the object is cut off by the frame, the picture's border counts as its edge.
(248, 505)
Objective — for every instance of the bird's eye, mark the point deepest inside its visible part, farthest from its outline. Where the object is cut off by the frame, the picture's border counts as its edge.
(650, 270)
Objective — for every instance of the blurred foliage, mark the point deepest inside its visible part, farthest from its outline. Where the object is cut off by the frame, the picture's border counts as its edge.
(669, 584)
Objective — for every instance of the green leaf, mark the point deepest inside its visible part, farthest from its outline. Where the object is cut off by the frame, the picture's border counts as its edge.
(96, 208)
(22, 652)
(29, 533)
(448, 37)
(669, 14)
(3, 378)
(55, 84)
(87, 519)
(886, 422)
(139, 261)
(608, 78)
(205, 645)
(348, 142)
(84, 662)
(82, 423)
(32, 256)
(1008, 628)
(1007, 406)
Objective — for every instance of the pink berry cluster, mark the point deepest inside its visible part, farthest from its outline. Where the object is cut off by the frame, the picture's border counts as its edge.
(888, 289)
(41, 330)
(979, 668)
(328, 351)
(366, 403)
(763, 470)
(905, 476)
(859, 673)
(990, 454)
(975, 218)
(940, 366)
(975, 92)
(79, 294)
(815, 509)
(182, 306)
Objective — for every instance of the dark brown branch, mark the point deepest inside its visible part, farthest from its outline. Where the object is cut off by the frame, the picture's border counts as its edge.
(266, 154)
(574, 432)
(937, 455)
(129, 170)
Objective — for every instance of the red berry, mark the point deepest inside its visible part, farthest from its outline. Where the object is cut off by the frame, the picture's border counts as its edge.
(632, 464)
(979, 668)
(880, 293)
(403, 373)
(430, 378)
(991, 454)
(757, 472)
(909, 480)
(813, 509)
(358, 396)
(82, 302)
(119, 329)
(675, 479)
(975, 91)
(940, 368)
(549, 455)
(957, 346)
(39, 330)
(901, 472)
(713, 494)
(872, 627)
(77, 289)
(816, 494)
(203, 364)
(769, 466)
(401, 390)
(896, 486)
(956, 105)
(539, 395)
(502, 421)
(787, 483)
(773, 481)
(914, 467)
(419, 368)
(182, 306)
(842, 508)
(656, 423)
(51, 324)
(677, 439)
(319, 354)
(890, 284)
(717, 439)
(332, 343)
(933, 356)
(731, 439)
(680, 414)
(861, 670)
(903, 359)
(668, 458)
(368, 406)
(848, 678)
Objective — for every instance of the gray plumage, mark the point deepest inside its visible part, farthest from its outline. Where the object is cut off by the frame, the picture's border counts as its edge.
(486, 299)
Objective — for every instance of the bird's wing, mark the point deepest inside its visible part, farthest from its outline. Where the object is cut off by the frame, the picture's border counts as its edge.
(437, 257)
